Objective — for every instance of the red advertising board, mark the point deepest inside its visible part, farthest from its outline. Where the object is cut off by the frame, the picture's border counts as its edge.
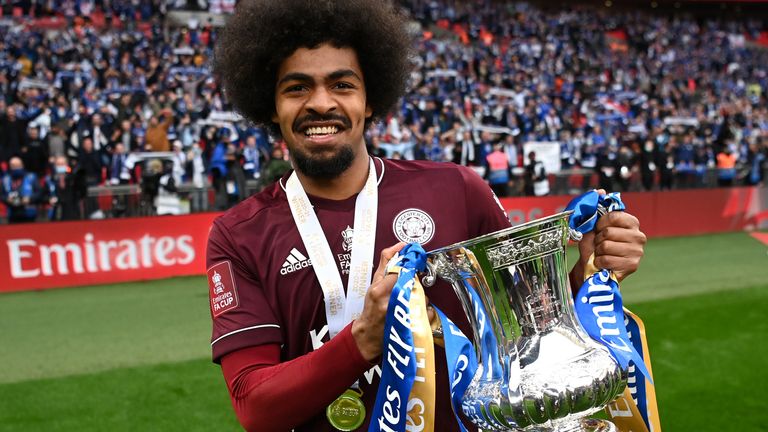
(669, 213)
(62, 254)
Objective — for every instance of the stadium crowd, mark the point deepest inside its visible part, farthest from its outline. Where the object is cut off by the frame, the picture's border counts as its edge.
(120, 96)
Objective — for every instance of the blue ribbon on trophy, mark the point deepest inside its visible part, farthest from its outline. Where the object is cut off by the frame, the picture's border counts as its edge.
(390, 411)
(461, 361)
(600, 310)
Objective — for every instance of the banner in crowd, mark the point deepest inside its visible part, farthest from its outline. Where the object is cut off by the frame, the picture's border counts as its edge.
(548, 152)
(63, 254)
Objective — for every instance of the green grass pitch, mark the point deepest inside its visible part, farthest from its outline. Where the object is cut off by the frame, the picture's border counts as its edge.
(135, 357)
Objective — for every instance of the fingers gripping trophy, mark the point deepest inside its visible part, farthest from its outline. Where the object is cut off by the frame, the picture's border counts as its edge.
(537, 367)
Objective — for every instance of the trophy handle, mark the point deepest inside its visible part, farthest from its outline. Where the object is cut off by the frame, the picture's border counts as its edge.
(575, 235)
(430, 278)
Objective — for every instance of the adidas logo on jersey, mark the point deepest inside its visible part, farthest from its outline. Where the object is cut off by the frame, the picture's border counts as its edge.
(295, 261)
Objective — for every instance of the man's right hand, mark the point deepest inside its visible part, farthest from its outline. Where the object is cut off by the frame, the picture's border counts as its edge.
(368, 330)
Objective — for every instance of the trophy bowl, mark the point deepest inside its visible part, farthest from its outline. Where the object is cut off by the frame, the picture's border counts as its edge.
(538, 370)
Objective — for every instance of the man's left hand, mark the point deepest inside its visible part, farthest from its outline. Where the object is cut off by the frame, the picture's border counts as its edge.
(618, 245)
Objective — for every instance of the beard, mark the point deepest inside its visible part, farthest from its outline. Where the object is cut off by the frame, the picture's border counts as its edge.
(327, 168)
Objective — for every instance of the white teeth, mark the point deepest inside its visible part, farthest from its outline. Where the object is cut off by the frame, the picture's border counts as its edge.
(324, 130)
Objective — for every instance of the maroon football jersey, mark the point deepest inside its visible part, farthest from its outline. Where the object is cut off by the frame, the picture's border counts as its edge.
(263, 286)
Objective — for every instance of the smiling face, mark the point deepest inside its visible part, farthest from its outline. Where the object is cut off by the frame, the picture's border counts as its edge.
(321, 108)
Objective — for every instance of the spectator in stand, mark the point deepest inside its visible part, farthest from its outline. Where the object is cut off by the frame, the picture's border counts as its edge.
(167, 200)
(536, 179)
(648, 168)
(179, 162)
(467, 143)
(194, 169)
(21, 192)
(150, 186)
(119, 171)
(34, 152)
(12, 134)
(123, 134)
(373, 145)
(235, 177)
(702, 161)
(66, 189)
(666, 163)
(252, 158)
(498, 171)
(626, 161)
(726, 167)
(156, 138)
(607, 166)
(756, 164)
(275, 167)
(218, 169)
(187, 131)
(57, 141)
(90, 162)
(99, 133)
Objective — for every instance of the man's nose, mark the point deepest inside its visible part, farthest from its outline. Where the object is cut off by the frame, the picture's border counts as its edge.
(321, 101)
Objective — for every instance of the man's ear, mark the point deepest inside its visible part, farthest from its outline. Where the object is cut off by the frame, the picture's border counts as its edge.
(275, 118)
(368, 111)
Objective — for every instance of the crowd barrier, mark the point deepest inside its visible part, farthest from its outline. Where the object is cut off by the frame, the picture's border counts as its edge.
(128, 201)
(62, 254)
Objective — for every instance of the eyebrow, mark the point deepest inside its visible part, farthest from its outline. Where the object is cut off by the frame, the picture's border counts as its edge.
(298, 76)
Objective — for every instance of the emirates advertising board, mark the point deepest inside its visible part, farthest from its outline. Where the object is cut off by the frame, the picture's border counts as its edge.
(64, 254)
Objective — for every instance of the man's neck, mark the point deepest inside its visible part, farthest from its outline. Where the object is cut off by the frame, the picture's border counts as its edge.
(342, 187)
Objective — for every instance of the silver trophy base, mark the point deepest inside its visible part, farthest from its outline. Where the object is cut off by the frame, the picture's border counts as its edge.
(576, 425)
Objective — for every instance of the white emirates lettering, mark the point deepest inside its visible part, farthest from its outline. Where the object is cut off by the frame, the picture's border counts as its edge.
(29, 258)
(222, 301)
(602, 308)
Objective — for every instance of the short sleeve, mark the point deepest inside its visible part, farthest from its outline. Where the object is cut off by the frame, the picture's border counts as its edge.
(485, 214)
(239, 307)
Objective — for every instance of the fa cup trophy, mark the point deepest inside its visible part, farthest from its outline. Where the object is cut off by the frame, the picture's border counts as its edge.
(538, 370)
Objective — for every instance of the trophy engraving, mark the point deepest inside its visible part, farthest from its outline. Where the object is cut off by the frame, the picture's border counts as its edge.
(538, 370)
(515, 251)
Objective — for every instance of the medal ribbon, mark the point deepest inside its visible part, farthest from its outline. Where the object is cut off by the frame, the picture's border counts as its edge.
(405, 400)
(636, 408)
(600, 311)
(340, 309)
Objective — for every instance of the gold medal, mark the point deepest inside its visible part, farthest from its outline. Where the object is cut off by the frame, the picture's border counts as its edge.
(347, 412)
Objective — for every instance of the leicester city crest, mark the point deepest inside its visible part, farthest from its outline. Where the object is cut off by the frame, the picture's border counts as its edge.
(414, 226)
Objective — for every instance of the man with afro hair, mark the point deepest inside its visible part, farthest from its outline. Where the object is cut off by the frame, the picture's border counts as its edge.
(298, 310)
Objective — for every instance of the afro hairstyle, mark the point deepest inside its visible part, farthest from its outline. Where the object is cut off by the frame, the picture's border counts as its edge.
(263, 33)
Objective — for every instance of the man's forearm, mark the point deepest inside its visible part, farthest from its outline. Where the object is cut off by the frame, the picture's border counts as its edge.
(281, 396)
